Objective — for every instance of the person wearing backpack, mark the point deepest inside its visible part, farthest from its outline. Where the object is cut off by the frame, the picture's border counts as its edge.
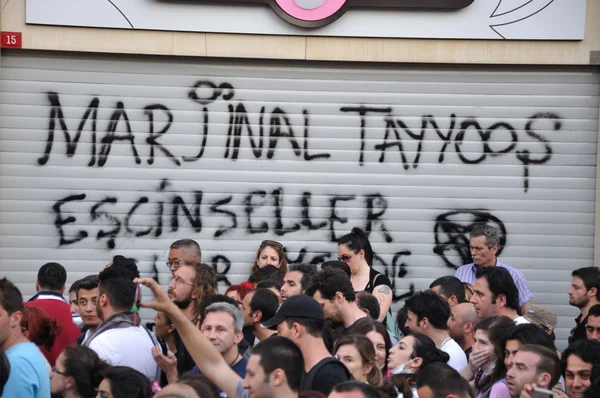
(301, 319)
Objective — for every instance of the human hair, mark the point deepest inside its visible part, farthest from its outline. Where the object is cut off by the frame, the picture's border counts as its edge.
(266, 302)
(308, 272)
(117, 284)
(366, 301)
(401, 318)
(311, 394)
(450, 286)
(365, 348)
(590, 277)
(127, 263)
(528, 334)
(4, 371)
(586, 350)
(431, 306)
(278, 247)
(593, 391)
(205, 280)
(199, 383)
(10, 297)
(548, 363)
(264, 273)
(313, 326)
(367, 325)
(52, 276)
(231, 309)
(351, 386)
(269, 283)
(242, 289)
(85, 367)
(498, 329)
(491, 233)
(42, 330)
(500, 282)
(469, 291)
(74, 286)
(356, 241)
(212, 299)
(280, 353)
(443, 380)
(335, 264)
(425, 348)
(594, 311)
(90, 282)
(127, 382)
(329, 282)
(190, 245)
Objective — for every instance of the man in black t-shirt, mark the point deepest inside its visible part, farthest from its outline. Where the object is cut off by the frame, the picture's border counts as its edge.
(333, 290)
(301, 319)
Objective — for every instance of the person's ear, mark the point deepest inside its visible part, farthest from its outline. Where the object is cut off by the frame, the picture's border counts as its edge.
(592, 292)
(424, 324)
(543, 379)
(297, 330)
(361, 254)
(452, 301)
(37, 286)
(367, 369)
(238, 337)
(501, 300)
(468, 327)
(277, 378)
(416, 363)
(62, 290)
(15, 319)
(256, 316)
(171, 328)
(103, 300)
(339, 297)
(494, 249)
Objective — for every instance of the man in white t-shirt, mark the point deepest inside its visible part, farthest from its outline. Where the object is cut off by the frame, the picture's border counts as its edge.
(496, 295)
(120, 340)
(428, 314)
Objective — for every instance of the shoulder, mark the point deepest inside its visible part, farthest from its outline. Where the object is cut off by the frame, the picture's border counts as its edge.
(379, 279)
(513, 271)
(331, 367)
(464, 271)
(499, 390)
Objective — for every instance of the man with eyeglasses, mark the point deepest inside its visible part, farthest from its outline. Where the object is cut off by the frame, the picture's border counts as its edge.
(183, 250)
(190, 284)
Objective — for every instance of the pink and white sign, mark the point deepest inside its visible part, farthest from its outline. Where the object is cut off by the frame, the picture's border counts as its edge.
(431, 19)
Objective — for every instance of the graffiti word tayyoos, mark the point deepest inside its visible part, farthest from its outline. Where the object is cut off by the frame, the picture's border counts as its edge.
(275, 128)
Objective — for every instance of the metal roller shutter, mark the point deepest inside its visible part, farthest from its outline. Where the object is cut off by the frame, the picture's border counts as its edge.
(107, 154)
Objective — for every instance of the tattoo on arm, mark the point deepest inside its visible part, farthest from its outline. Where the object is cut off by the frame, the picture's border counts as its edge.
(384, 290)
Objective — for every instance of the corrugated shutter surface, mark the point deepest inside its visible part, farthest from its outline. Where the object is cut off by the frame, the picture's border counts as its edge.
(415, 155)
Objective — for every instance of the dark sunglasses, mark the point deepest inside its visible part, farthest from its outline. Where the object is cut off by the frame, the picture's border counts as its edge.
(272, 242)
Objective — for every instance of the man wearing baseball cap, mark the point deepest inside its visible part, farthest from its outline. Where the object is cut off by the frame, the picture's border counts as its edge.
(542, 317)
(301, 319)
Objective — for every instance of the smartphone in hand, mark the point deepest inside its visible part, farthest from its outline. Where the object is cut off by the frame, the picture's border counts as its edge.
(542, 393)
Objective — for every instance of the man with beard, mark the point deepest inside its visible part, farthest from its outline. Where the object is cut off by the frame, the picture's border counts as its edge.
(190, 285)
(583, 294)
(333, 290)
(297, 280)
(120, 340)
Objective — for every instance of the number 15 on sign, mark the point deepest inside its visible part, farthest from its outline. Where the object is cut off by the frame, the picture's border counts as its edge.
(10, 40)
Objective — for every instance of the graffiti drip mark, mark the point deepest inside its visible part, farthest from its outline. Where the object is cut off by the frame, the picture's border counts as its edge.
(527, 11)
(451, 234)
(121, 12)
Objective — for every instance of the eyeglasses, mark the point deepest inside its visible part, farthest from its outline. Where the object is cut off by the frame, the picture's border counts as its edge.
(272, 242)
(179, 281)
(345, 257)
(54, 370)
(175, 264)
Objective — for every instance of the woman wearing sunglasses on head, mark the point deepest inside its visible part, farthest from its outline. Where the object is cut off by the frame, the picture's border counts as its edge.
(270, 252)
(355, 250)
(77, 373)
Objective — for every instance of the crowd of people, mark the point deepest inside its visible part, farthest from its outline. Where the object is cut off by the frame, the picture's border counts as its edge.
(293, 330)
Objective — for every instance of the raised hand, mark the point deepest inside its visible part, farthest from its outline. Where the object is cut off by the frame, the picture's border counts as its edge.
(161, 301)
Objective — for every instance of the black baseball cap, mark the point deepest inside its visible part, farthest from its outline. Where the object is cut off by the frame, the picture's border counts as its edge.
(301, 306)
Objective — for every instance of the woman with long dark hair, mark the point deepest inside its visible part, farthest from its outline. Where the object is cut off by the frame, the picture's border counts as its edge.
(486, 362)
(77, 373)
(355, 250)
(124, 382)
(379, 336)
(407, 358)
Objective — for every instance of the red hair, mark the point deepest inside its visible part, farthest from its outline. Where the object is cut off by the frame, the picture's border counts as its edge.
(242, 289)
(41, 329)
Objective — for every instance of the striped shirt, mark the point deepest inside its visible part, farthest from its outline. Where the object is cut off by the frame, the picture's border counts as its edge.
(466, 274)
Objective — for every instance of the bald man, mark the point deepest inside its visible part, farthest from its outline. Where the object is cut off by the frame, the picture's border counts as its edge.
(461, 326)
